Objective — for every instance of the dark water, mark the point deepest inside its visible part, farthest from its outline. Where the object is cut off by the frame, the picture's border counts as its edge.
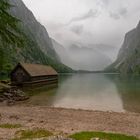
(105, 92)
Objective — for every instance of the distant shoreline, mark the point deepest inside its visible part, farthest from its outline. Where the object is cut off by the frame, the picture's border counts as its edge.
(69, 120)
(84, 72)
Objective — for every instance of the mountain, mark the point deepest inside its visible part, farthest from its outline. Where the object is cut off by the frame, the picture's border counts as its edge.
(87, 58)
(64, 55)
(38, 47)
(81, 57)
(128, 60)
(32, 27)
(108, 50)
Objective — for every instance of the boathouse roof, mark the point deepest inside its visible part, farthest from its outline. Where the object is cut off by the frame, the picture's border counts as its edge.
(37, 69)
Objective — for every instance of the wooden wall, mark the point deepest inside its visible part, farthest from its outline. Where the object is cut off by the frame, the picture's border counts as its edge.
(19, 75)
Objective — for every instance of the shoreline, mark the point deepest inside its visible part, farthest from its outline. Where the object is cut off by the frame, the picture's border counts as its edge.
(68, 120)
(21, 104)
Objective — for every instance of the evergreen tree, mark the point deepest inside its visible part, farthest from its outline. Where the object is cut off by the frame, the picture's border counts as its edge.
(10, 33)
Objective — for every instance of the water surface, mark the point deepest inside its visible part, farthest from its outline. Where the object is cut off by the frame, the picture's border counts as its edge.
(104, 92)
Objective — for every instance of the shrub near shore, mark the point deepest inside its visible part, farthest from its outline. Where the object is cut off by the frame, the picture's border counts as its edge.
(101, 135)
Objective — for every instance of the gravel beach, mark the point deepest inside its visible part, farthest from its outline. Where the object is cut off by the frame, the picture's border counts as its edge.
(67, 121)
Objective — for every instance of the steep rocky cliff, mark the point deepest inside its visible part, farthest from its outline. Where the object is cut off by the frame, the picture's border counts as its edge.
(38, 46)
(32, 27)
(128, 60)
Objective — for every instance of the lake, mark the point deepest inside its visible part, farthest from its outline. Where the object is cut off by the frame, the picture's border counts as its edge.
(103, 92)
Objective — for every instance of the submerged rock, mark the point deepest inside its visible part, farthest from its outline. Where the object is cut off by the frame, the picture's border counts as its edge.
(4, 87)
(11, 95)
(5, 81)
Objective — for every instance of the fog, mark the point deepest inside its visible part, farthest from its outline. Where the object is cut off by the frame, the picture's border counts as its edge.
(81, 57)
(97, 24)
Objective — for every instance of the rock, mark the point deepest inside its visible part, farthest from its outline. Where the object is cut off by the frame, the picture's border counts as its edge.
(10, 102)
(128, 60)
(4, 87)
(2, 99)
(96, 139)
(12, 94)
(5, 81)
(53, 138)
(8, 94)
(14, 117)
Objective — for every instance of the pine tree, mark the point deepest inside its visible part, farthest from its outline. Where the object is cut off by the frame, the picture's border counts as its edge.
(10, 33)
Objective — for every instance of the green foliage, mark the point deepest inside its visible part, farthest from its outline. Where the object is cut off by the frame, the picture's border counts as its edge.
(14, 34)
(1, 58)
(9, 30)
(10, 33)
(137, 70)
(7, 67)
(32, 53)
(10, 126)
(101, 135)
(30, 134)
(59, 67)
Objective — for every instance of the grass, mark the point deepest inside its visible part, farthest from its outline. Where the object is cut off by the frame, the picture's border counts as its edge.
(30, 134)
(101, 135)
(10, 126)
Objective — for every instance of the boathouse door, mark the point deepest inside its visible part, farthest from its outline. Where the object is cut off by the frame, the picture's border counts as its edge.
(19, 76)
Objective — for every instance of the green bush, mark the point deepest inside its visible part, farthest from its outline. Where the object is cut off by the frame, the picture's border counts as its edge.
(30, 134)
(101, 135)
(10, 126)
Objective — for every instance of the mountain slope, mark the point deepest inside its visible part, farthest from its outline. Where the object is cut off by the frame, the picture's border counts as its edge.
(128, 60)
(33, 28)
(62, 52)
(38, 45)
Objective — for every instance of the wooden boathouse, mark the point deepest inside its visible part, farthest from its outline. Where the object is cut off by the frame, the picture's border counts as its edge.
(25, 74)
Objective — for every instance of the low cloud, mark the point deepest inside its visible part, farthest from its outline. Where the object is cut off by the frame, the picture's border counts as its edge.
(114, 15)
(105, 2)
(78, 29)
(87, 21)
(90, 14)
(122, 12)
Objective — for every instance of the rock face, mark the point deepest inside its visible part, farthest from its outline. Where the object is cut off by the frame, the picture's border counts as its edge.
(33, 28)
(128, 60)
(38, 46)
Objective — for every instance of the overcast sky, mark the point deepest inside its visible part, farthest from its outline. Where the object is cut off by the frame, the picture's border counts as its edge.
(87, 21)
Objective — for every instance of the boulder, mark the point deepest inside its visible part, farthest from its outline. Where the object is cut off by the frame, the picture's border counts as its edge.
(12, 95)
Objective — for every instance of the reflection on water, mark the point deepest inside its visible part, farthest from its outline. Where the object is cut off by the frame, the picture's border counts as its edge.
(129, 90)
(106, 92)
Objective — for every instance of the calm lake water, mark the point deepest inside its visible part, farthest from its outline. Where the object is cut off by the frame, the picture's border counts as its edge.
(104, 92)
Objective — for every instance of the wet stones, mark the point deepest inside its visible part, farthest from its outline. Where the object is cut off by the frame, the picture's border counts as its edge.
(11, 95)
